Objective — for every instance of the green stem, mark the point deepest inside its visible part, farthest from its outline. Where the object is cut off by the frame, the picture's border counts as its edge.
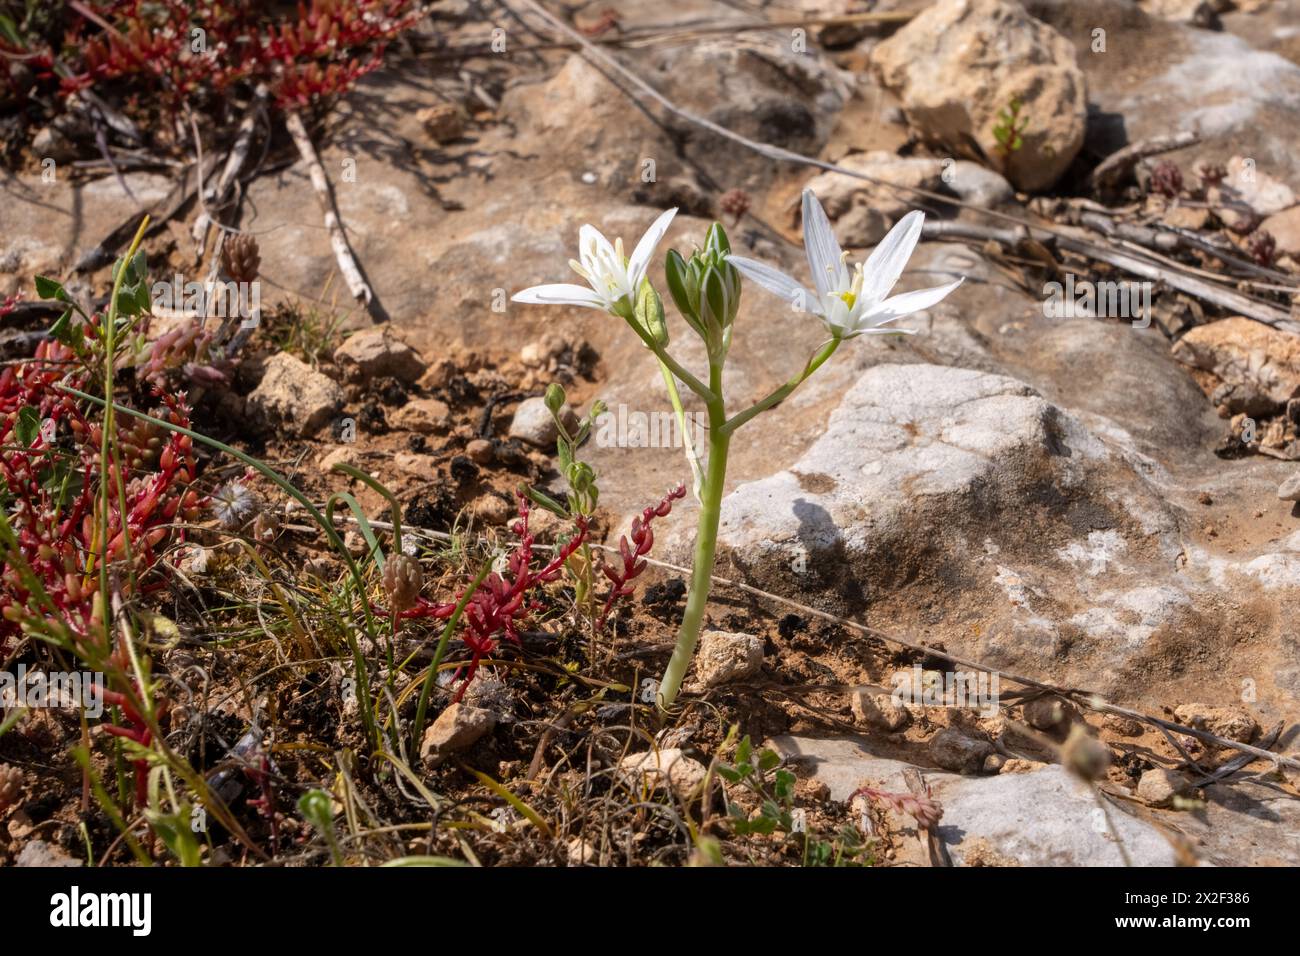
(710, 395)
(706, 544)
(782, 393)
(697, 471)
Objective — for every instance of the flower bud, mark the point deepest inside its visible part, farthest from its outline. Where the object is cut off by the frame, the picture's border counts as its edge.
(402, 579)
(650, 313)
(682, 285)
(555, 398)
(706, 289)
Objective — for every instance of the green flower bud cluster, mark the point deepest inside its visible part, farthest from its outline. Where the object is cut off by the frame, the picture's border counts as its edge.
(706, 290)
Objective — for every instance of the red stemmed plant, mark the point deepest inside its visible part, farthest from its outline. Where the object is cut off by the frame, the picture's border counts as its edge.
(501, 601)
(49, 451)
(633, 553)
(184, 52)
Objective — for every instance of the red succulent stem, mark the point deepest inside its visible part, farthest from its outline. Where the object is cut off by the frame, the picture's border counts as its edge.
(633, 553)
(502, 601)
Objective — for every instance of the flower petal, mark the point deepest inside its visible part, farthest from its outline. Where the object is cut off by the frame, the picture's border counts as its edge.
(559, 293)
(778, 283)
(838, 317)
(825, 257)
(640, 258)
(895, 307)
(888, 259)
(855, 334)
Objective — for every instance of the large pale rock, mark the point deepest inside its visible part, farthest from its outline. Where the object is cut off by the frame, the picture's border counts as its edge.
(1148, 77)
(1043, 817)
(1258, 366)
(295, 396)
(960, 62)
(927, 476)
(756, 88)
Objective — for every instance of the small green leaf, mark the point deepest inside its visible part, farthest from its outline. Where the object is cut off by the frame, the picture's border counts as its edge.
(543, 500)
(28, 425)
(48, 288)
(61, 330)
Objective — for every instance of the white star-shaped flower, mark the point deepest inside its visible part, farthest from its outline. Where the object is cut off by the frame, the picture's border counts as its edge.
(613, 279)
(850, 303)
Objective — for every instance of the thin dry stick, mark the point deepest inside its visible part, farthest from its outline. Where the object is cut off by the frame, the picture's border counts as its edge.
(651, 35)
(1083, 697)
(1073, 241)
(234, 163)
(320, 182)
(1111, 170)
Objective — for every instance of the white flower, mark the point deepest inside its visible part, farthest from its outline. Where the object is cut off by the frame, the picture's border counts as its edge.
(850, 303)
(613, 278)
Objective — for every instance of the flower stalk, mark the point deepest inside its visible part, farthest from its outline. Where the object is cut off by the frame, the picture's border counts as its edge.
(706, 289)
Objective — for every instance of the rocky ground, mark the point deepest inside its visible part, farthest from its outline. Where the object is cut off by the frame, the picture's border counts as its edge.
(1079, 501)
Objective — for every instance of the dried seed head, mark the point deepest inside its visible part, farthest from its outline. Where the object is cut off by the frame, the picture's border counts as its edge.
(233, 504)
(11, 786)
(1084, 755)
(1166, 179)
(1262, 247)
(241, 257)
(735, 203)
(402, 579)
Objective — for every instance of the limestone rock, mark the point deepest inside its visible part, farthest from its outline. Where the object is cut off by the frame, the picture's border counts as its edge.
(423, 415)
(1230, 722)
(457, 728)
(376, 353)
(881, 711)
(294, 395)
(1258, 366)
(655, 769)
(960, 62)
(1158, 787)
(533, 422)
(722, 657)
